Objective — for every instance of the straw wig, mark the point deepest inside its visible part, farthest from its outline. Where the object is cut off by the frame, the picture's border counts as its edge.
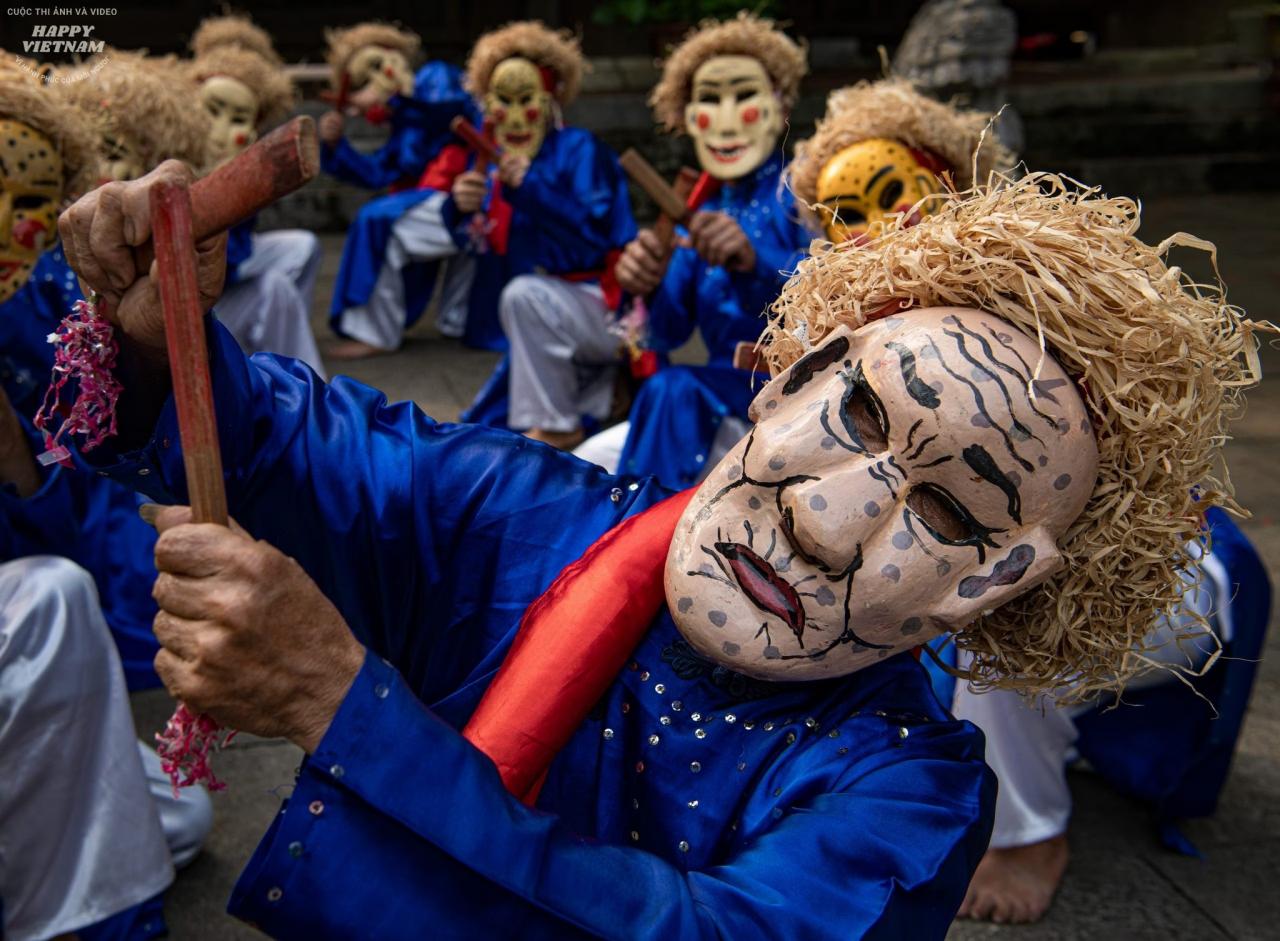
(556, 50)
(270, 84)
(893, 110)
(124, 94)
(746, 35)
(236, 31)
(1161, 362)
(345, 43)
(25, 97)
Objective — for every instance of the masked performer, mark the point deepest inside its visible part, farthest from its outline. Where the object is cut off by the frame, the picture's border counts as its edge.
(75, 795)
(730, 87)
(271, 276)
(709, 710)
(372, 76)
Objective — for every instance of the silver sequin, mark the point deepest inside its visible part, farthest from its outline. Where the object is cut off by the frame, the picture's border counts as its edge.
(695, 766)
(693, 805)
(699, 733)
(634, 836)
(902, 732)
(731, 718)
(834, 733)
(768, 726)
(811, 722)
(608, 734)
(696, 716)
(677, 706)
(683, 846)
(665, 720)
(791, 737)
(644, 675)
(659, 688)
(749, 725)
(653, 740)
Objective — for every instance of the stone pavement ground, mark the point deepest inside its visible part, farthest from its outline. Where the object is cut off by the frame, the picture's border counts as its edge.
(1121, 883)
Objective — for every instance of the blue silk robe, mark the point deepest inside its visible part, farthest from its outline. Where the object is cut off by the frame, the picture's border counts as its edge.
(419, 129)
(92, 521)
(677, 411)
(692, 802)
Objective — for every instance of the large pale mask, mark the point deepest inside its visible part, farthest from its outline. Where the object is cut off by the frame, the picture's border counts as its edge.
(869, 180)
(381, 72)
(121, 159)
(519, 106)
(734, 116)
(899, 481)
(30, 192)
(233, 107)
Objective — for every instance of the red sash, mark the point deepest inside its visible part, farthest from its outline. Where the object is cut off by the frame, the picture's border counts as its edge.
(572, 643)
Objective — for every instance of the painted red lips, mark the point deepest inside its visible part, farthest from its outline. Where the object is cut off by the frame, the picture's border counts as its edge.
(765, 588)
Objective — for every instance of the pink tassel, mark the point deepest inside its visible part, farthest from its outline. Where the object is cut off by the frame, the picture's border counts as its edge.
(85, 350)
(185, 745)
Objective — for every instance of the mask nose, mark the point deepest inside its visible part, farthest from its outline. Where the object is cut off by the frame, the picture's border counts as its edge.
(728, 122)
(829, 519)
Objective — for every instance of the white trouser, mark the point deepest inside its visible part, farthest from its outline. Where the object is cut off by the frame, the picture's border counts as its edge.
(268, 310)
(1028, 744)
(563, 354)
(605, 448)
(80, 838)
(419, 235)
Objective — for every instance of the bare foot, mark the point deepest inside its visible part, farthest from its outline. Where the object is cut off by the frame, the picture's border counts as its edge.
(564, 440)
(1016, 885)
(354, 349)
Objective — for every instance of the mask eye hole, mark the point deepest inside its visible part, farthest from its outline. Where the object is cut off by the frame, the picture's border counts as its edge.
(867, 416)
(890, 195)
(946, 518)
(31, 202)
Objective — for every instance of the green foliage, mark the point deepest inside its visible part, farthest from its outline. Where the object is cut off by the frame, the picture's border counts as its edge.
(637, 12)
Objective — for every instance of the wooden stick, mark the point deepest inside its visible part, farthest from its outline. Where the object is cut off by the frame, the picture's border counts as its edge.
(654, 186)
(172, 234)
(474, 139)
(665, 227)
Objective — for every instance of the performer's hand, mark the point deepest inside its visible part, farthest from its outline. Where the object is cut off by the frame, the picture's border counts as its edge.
(512, 169)
(17, 466)
(248, 637)
(719, 239)
(332, 126)
(468, 191)
(99, 233)
(642, 265)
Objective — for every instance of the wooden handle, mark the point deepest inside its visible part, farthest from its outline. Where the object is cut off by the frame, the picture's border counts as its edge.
(665, 227)
(655, 187)
(474, 139)
(172, 231)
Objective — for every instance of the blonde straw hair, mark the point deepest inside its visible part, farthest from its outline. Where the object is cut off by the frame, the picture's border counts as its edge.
(25, 97)
(343, 44)
(556, 50)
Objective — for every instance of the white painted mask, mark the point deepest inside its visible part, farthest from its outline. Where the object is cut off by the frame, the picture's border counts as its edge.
(899, 481)
(734, 116)
(381, 71)
(233, 106)
(519, 106)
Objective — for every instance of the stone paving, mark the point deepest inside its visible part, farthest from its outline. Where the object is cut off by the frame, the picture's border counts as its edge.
(1121, 883)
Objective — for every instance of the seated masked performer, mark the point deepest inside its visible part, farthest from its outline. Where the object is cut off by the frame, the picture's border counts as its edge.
(542, 231)
(710, 722)
(730, 86)
(78, 791)
(372, 76)
(271, 276)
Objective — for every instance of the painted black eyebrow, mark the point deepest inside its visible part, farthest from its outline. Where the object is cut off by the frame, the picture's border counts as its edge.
(985, 466)
(876, 177)
(813, 363)
(917, 388)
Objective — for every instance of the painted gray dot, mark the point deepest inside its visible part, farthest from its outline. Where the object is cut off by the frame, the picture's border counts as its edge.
(735, 471)
(980, 421)
(1004, 337)
(817, 502)
(891, 572)
(944, 567)
(730, 648)
(718, 618)
(902, 540)
(912, 625)
(825, 596)
(979, 375)
(928, 353)
(1043, 460)
(772, 653)
(1062, 482)
(754, 503)
(936, 387)
(1015, 477)
(777, 463)
(1085, 425)
(771, 404)
(684, 604)
(950, 319)
(1063, 426)
(782, 565)
(827, 443)
(871, 508)
(705, 568)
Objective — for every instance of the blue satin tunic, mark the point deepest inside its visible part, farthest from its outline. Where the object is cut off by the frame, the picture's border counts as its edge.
(692, 802)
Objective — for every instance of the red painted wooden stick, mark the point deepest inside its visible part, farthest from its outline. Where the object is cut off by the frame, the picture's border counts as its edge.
(474, 139)
(172, 236)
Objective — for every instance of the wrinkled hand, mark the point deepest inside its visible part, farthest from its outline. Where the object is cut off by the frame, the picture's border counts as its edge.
(331, 128)
(248, 637)
(512, 169)
(468, 191)
(720, 241)
(99, 233)
(642, 265)
(17, 466)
